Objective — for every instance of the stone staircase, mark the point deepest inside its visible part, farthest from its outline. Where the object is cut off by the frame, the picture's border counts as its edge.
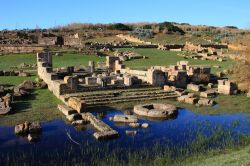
(121, 96)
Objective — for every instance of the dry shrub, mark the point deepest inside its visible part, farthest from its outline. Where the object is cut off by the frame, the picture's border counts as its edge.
(241, 73)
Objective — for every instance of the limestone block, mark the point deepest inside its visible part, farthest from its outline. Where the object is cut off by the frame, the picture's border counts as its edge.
(191, 100)
(194, 87)
(66, 110)
(169, 88)
(22, 128)
(106, 134)
(210, 85)
(134, 125)
(125, 118)
(208, 93)
(76, 104)
(206, 102)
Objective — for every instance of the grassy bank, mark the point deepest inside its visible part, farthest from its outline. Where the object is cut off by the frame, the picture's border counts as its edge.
(163, 58)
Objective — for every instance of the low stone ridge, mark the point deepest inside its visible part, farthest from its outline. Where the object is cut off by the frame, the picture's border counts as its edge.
(155, 110)
(104, 131)
(189, 98)
(208, 94)
(125, 119)
(206, 102)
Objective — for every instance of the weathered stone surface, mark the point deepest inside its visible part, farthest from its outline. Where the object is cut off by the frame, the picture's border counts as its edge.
(226, 87)
(134, 125)
(125, 118)
(194, 87)
(169, 88)
(4, 110)
(22, 129)
(106, 134)
(20, 91)
(145, 125)
(27, 84)
(206, 102)
(76, 104)
(208, 93)
(191, 95)
(190, 98)
(180, 93)
(104, 131)
(181, 98)
(155, 110)
(210, 85)
(66, 110)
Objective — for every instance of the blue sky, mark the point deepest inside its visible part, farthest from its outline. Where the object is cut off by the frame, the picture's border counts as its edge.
(49, 13)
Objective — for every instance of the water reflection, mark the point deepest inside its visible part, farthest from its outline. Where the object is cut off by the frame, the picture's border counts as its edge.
(177, 131)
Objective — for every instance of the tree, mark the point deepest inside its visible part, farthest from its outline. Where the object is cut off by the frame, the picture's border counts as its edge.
(119, 26)
(169, 27)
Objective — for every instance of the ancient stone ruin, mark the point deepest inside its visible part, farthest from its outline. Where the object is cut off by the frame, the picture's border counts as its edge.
(226, 87)
(155, 110)
(31, 130)
(114, 80)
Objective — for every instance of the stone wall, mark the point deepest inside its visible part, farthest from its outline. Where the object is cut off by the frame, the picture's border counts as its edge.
(132, 39)
(8, 49)
(154, 77)
(202, 47)
(48, 41)
(226, 87)
(45, 72)
(171, 47)
(70, 41)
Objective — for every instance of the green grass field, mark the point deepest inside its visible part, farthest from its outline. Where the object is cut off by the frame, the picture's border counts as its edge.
(164, 58)
(8, 61)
